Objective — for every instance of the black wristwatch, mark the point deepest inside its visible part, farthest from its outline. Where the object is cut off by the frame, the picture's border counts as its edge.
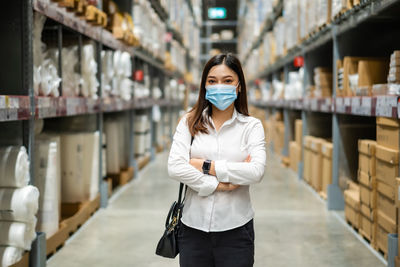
(206, 166)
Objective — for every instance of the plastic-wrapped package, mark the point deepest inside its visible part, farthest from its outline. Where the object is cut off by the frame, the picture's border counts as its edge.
(17, 234)
(91, 164)
(14, 166)
(19, 204)
(112, 152)
(71, 78)
(108, 72)
(48, 181)
(89, 70)
(10, 255)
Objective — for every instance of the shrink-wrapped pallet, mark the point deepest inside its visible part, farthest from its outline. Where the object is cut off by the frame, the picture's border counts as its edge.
(91, 159)
(48, 181)
(17, 234)
(10, 255)
(112, 144)
(19, 204)
(14, 166)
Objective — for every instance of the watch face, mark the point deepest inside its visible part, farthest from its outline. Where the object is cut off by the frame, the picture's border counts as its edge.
(206, 165)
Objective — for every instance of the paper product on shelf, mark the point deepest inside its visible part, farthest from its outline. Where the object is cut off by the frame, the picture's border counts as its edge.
(17, 234)
(111, 129)
(294, 88)
(72, 180)
(108, 72)
(91, 158)
(142, 133)
(89, 71)
(48, 180)
(10, 255)
(19, 204)
(79, 166)
(14, 166)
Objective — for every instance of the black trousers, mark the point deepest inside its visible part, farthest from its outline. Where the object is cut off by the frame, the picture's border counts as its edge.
(233, 248)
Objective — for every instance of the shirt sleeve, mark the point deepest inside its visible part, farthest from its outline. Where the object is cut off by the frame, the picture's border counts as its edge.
(179, 167)
(246, 173)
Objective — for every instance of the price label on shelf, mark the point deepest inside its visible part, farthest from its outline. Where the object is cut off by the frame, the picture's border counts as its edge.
(314, 104)
(385, 105)
(2, 102)
(356, 105)
(347, 101)
(340, 107)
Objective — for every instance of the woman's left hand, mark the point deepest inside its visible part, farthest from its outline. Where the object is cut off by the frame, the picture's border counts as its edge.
(197, 163)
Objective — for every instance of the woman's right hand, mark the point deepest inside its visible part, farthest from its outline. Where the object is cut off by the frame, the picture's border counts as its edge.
(225, 187)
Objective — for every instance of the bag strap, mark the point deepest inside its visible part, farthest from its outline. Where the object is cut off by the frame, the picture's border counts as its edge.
(180, 201)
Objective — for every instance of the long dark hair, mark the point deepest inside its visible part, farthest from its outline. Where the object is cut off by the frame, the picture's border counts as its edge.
(196, 121)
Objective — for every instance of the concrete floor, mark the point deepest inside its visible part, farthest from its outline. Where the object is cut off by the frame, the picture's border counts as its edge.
(293, 227)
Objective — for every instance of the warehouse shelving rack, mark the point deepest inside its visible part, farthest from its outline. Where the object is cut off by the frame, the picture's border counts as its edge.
(333, 42)
(19, 108)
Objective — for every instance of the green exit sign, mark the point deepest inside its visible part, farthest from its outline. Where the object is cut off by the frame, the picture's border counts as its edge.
(217, 13)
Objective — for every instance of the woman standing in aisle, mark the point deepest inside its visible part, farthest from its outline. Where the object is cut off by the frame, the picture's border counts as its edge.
(226, 155)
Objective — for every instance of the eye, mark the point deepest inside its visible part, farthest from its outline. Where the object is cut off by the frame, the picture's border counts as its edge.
(211, 81)
(228, 81)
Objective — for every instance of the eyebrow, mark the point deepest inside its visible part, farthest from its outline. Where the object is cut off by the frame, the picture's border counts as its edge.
(228, 76)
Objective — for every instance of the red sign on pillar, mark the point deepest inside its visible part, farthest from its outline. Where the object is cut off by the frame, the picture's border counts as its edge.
(139, 75)
(298, 62)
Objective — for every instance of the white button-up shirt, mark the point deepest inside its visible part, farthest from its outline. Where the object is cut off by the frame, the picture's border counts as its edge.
(205, 208)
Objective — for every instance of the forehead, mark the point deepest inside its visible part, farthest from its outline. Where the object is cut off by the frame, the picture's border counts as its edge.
(221, 71)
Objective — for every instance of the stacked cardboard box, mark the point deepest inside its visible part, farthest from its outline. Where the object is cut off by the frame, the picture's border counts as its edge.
(327, 149)
(323, 82)
(295, 146)
(352, 205)
(368, 189)
(307, 158)
(316, 159)
(394, 71)
(278, 133)
(387, 169)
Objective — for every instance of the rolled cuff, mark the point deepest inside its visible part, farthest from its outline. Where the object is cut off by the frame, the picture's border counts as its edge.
(221, 171)
(209, 186)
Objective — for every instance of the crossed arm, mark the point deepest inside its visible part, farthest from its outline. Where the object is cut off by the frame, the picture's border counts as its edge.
(224, 175)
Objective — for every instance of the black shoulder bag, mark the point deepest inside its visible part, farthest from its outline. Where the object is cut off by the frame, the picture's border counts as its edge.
(168, 245)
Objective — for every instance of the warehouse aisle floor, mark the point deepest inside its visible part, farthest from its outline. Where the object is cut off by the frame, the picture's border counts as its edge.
(293, 227)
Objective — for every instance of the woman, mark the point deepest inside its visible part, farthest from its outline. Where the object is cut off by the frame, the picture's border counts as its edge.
(226, 156)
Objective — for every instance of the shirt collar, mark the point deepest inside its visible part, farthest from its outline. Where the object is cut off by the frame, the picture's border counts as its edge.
(236, 115)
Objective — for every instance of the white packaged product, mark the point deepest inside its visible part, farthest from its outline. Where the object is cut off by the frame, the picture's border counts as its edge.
(10, 255)
(112, 156)
(71, 78)
(72, 181)
(17, 234)
(89, 71)
(14, 166)
(91, 164)
(19, 204)
(48, 181)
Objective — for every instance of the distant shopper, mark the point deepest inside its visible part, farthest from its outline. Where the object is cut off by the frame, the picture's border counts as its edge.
(226, 156)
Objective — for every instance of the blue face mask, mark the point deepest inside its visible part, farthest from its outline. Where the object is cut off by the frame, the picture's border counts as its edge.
(221, 95)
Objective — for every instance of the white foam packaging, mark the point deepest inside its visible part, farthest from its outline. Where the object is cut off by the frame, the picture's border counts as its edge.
(14, 166)
(17, 234)
(19, 204)
(10, 255)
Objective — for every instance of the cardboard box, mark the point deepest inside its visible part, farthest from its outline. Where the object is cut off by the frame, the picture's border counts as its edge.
(366, 159)
(352, 215)
(316, 158)
(366, 180)
(388, 208)
(372, 71)
(367, 196)
(397, 192)
(294, 155)
(368, 212)
(387, 168)
(327, 149)
(386, 223)
(352, 198)
(386, 190)
(299, 132)
(382, 239)
(387, 132)
(397, 260)
(368, 228)
(307, 158)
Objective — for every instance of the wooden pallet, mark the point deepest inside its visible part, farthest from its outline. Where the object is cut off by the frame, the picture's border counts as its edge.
(322, 195)
(77, 214)
(352, 226)
(367, 238)
(24, 262)
(122, 178)
(143, 161)
(159, 148)
(286, 161)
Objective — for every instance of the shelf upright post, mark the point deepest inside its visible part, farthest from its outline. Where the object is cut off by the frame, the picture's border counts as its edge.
(59, 47)
(335, 195)
(132, 113)
(304, 119)
(103, 185)
(150, 112)
(288, 136)
(38, 248)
